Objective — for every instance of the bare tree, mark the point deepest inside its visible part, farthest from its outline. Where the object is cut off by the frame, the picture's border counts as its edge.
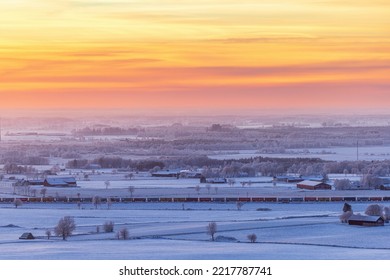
(211, 229)
(34, 192)
(252, 237)
(108, 226)
(109, 202)
(107, 184)
(208, 187)
(43, 192)
(239, 205)
(131, 190)
(48, 233)
(197, 189)
(65, 227)
(96, 201)
(231, 182)
(124, 234)
(18, 202)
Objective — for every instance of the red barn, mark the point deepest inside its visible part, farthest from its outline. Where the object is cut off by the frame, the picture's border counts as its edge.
(313, 185)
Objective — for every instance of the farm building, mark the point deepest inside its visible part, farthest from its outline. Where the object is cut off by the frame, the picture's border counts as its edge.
(35, 182)
(60, 182)
(166, 173)
(362, 220)
(213, 180)
(287, 179)
(313, 185)
(27, 235)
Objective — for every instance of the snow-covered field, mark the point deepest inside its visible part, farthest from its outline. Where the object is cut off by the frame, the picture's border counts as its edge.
(178, 231)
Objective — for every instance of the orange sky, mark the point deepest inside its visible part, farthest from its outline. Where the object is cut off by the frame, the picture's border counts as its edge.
(200, 56)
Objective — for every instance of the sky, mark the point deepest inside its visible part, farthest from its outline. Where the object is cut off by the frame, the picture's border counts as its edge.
(199, 56)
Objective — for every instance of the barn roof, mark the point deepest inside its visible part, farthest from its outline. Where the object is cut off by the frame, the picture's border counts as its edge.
(310, 183)
(60, 180)
(27, 235)
(364, 218)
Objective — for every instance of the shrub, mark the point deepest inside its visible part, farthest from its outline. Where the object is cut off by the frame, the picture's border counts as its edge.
(345, 216)
(374, 210)
(17, 202)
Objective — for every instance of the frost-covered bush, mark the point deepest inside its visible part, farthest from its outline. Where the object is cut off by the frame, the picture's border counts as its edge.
(374, 210)
(345, 216)
(18, 202)
(386, 213)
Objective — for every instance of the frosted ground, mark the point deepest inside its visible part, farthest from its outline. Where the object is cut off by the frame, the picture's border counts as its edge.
(178, 231)
(166, 231)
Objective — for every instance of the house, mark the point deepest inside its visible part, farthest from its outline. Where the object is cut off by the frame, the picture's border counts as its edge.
(313, 185)
(287, 179)
(190, 174)
(60, 182)
(384, 187)
(166, 173)
(27, 235)
(35, 182)
(212, 180)
(362, 220)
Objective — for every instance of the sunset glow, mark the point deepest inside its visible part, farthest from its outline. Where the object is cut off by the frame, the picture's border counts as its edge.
(225, 56)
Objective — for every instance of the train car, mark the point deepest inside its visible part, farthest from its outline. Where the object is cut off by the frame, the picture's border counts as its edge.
(297, 199)
(258, 199)
(166, 199)
(219, 199)
(283, 199)
(323, 199)
(375, 198)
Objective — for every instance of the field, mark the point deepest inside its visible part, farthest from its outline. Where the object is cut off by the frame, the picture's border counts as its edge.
(178, 231)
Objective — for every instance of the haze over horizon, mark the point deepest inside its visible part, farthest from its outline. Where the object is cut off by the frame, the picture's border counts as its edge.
(196, 57)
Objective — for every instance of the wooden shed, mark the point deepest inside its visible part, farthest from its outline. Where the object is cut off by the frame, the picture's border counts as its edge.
(27, 235)
(368, 221)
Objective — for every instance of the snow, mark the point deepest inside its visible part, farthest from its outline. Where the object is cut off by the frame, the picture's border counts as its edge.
(302, 231)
